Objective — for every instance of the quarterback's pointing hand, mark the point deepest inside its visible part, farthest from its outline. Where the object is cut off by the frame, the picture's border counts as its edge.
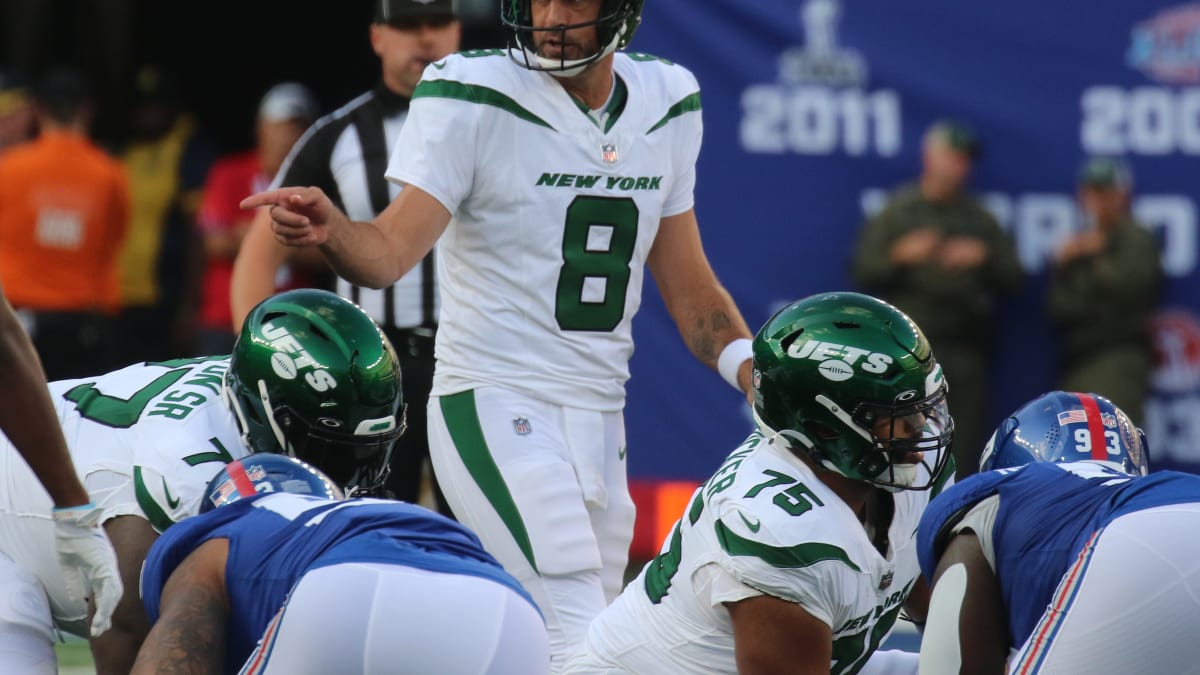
(299, 216)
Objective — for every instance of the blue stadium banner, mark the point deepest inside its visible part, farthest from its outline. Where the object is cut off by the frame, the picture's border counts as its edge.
(814, 110)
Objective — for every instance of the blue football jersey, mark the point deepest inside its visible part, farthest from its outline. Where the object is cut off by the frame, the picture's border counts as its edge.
(1046, 515)
(274, 539)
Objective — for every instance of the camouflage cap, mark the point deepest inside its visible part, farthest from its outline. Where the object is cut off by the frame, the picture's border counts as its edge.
(957, 135)
(1105, 173)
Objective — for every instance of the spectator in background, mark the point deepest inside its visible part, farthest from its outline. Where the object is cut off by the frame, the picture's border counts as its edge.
(64, 211)
(284, 113)
(162, 260)
(1103, 288)
(18, 121)
(935, 253)
(346, 155)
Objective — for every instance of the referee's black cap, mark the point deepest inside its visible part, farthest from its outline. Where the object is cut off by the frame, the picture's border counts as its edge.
(402, 12)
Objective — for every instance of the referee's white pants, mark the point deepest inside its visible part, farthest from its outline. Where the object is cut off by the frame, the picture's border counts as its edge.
(377, 619)
(1129, 604)
(544, 487)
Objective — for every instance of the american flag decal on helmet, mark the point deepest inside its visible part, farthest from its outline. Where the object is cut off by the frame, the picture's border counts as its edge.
(1071, 416)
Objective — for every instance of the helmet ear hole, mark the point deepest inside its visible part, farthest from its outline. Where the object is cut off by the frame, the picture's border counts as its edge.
(821, 431)
(786, 343)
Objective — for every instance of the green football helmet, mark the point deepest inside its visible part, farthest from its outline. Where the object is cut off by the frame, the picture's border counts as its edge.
(851, 381)
(312, 377)
(615, 26)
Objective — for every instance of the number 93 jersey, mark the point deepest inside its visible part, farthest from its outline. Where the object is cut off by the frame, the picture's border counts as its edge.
(764, 524)
(555, 211)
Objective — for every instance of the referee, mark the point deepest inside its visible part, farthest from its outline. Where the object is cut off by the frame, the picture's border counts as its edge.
(346, 155)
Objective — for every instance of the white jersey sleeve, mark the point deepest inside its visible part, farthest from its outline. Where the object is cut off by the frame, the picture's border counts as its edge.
(688, 134)
(811, 574)
(436, 151)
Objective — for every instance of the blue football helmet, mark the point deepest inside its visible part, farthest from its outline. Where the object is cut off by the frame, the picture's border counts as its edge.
(265, 473)
(1068, 427)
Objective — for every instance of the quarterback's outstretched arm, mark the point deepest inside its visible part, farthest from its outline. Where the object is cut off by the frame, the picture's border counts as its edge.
(373, 254)
(703, 310)
(189, 636)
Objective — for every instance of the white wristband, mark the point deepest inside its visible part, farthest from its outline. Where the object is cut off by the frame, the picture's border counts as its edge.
(731, 358)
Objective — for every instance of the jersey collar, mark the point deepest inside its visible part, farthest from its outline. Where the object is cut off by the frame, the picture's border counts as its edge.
(605, 118)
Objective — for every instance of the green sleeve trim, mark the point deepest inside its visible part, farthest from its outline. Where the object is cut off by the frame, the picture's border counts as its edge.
(690, 103)
(158, 518)
(474, 93)
(789, 557)
(462, 420)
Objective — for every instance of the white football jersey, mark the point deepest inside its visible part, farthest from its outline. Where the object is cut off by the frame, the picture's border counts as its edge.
(764, 524)
(555, 210)
(145, 441)
(163, 425)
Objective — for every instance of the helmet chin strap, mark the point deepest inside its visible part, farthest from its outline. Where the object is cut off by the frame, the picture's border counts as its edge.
(231, 402)
(563, 68)
(279, 437)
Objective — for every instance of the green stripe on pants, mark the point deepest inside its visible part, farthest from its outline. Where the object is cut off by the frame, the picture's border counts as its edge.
(462, 419)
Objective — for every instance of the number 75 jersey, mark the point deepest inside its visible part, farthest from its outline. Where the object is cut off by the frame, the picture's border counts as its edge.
(555, 212)
(764, 524)
(163, 428)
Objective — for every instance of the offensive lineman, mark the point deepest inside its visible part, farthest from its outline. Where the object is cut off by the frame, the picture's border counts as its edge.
(800, 551)
(359, 586)
(146, 439)
(1062, 556)
(552, 176)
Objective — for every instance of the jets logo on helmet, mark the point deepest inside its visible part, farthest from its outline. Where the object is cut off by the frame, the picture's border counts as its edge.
(311, 376)
(851, 382)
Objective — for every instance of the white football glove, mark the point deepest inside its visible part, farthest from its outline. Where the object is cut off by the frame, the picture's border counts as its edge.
(88, 562)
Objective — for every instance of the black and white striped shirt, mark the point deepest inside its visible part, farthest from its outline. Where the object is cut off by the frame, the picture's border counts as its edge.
(346, 154)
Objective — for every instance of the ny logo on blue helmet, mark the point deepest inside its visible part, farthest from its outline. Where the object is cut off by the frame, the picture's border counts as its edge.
(1068, 427)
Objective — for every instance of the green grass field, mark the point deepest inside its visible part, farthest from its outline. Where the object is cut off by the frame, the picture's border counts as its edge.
(74, 658)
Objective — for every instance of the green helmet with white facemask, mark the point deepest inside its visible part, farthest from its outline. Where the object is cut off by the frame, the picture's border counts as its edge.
(311, 376)
(846, 378)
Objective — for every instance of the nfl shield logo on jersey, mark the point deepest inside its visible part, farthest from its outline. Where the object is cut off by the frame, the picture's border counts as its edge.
(521, 426)
(886, 580)
(609, 153)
